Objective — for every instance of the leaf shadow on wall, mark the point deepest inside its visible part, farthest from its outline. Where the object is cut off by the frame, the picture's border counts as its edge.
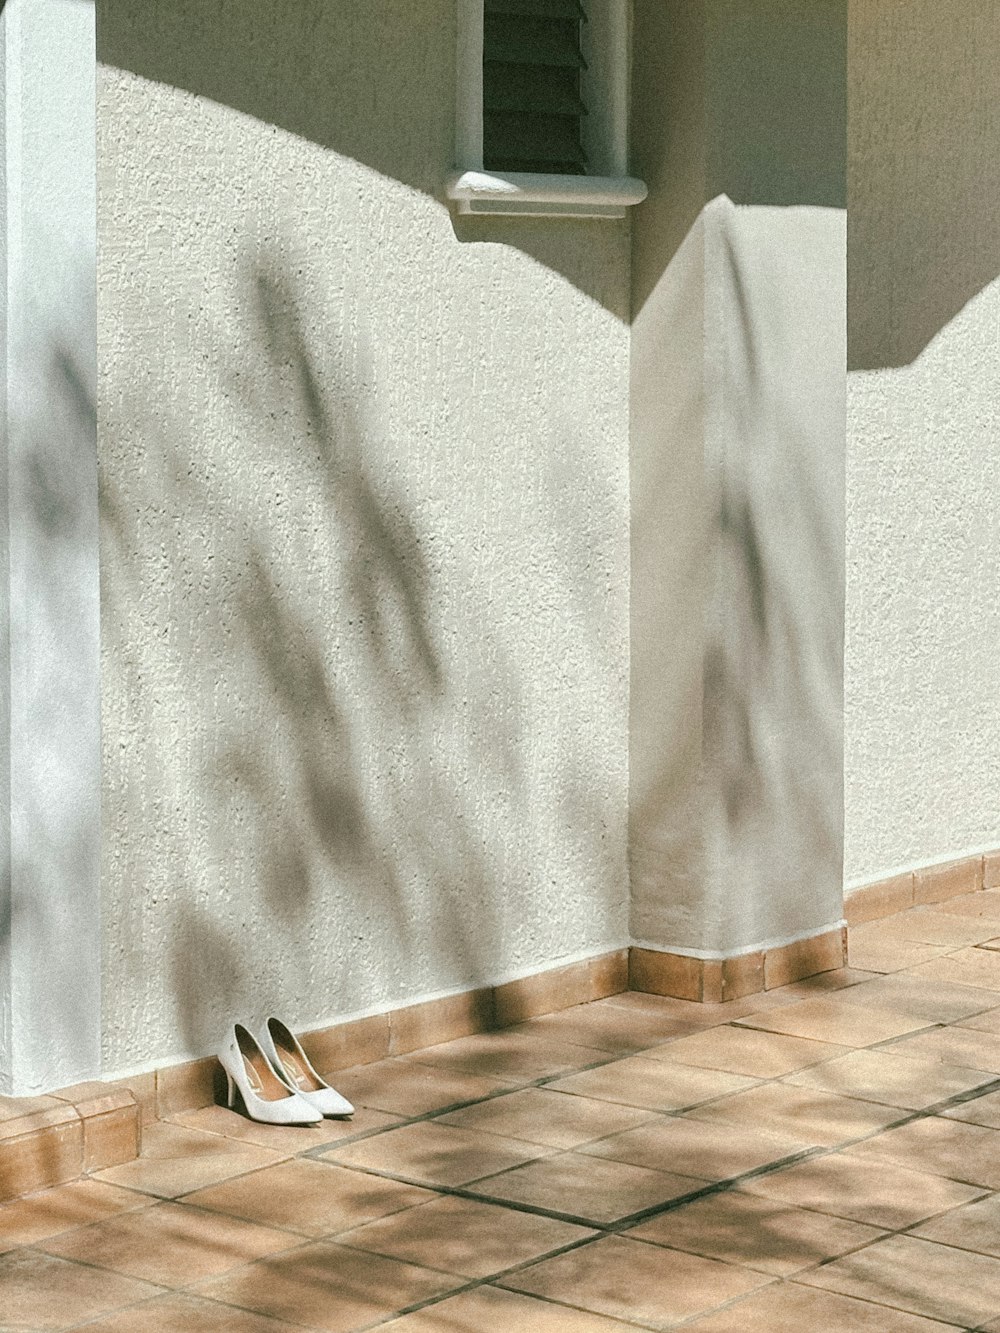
(373, 82)
(50, 488)
(336, 775)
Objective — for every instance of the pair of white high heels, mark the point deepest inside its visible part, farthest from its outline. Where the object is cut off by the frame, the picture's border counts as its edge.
(275, 1079)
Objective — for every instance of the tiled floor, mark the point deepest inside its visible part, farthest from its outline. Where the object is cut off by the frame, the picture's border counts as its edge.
(825, 1156)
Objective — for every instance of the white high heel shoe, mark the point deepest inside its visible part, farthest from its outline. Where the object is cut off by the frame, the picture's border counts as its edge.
(264, 1094)
(292, 1066)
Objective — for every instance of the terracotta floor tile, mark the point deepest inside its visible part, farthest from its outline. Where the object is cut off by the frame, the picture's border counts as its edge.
(612, 1029)
(652, 1084)
(980, 1111)
(755, 1232)
(917, 1276)
(328, 1286)
(404, 1088)
(506, 1055)
(789, 1308)
(832, 1020)
(464, 1237)
(437, 1154)
(555, 1119)
(175, 1161)
(492, 1307)
(846, 1186)
(38, 1216)
(925, 925)
(170, 1244)
(985, 903)
(805, 1114)
(625, 1279)
(705, 1015)
(941, 1146)
(737, 1050)
(310, 1198)
(974, 1226)
(40, 1291)
(697, 1147)
(987, 1021)
(844, 978)
(187, 1314)
(955, 1046)
(873, 950)
(591, 1189)
(944, 1002)
(890, 1077)
(281, 1138)
(20, 1108)
(970, 967)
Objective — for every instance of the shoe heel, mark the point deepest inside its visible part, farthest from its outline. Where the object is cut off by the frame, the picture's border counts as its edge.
(230, 1091)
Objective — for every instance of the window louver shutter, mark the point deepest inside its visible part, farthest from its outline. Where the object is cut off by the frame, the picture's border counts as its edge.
(532, 107)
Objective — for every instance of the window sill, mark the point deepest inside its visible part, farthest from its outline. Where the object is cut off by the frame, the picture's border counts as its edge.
(530, 195)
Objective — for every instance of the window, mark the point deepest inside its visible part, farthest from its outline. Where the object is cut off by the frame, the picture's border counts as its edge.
(542, 108)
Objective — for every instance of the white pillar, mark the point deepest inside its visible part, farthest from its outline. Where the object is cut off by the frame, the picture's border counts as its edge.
(737, 475)
(50, 945)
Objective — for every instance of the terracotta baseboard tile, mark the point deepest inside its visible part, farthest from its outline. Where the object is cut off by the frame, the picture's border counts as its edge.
(111, 1139)
(359, 1042)
(188, 1086)
(46, 1155)
(712, 981)
(805, 958)
(741, 976)
(951, 879)
(111, 1119)
(991, 870)
(884, 898)
(609, 974)
(511, 1002)
(672, 974)
(557, 988)
(434, 1021)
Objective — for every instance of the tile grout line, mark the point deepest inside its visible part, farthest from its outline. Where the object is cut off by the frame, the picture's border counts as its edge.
(631, 1220)
(621, 1225)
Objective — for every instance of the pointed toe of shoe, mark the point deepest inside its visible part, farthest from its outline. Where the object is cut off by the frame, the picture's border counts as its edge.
(329, 1102)
(300, 1112)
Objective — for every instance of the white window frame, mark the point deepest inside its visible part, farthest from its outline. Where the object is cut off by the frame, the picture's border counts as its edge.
(606, 40)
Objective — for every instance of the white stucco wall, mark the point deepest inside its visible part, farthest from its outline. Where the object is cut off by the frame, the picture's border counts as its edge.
(364, 488)
(922, 685)
(50, 946)
(737, 457)
(737, 596)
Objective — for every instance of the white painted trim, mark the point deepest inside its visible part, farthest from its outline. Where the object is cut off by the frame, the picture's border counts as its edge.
(607, 48)
(713, 956)
(856, 885)
(469, 84)
(539, 195)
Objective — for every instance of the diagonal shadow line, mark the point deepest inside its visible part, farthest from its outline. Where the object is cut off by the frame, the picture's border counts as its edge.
(602, 1230)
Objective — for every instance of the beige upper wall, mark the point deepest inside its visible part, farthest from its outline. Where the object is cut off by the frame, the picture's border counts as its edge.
(365, 535)
(922, 692)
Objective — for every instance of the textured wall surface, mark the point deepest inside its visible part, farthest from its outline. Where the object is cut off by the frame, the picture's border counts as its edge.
(923, 575)
(737, 593)
(50, 773)
(364, 490)
(737, 452)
